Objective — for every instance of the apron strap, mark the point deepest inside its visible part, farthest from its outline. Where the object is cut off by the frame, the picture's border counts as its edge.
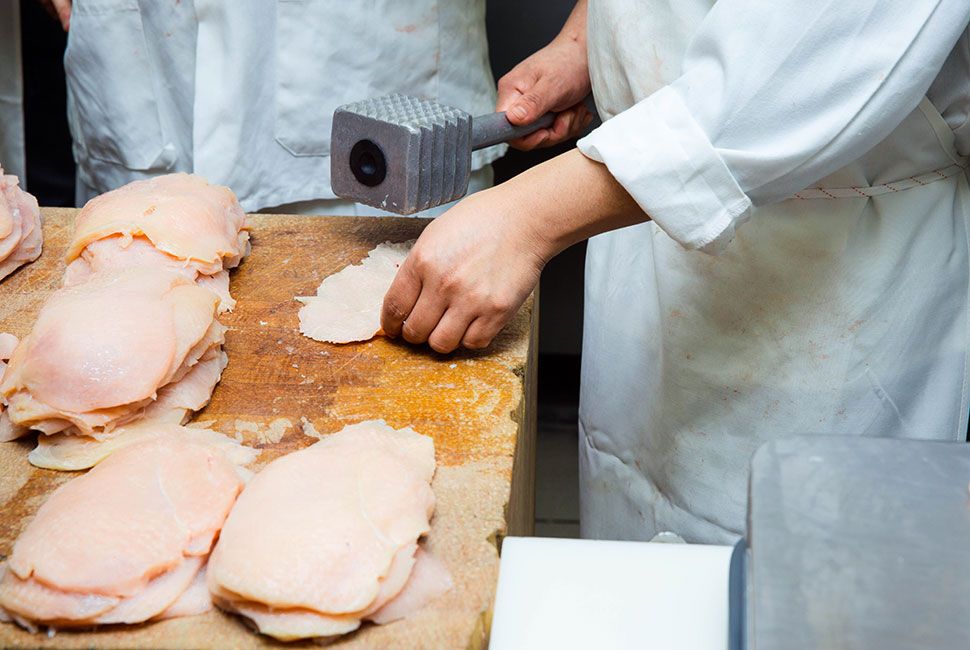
(868, 191)
(947, 141)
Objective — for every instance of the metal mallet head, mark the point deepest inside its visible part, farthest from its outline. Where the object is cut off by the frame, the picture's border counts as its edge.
(403, 154)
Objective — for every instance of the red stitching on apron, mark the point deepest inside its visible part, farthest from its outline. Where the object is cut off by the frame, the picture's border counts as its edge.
(867, 191)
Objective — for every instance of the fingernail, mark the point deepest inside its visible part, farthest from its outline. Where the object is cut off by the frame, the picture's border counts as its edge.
(518, 112)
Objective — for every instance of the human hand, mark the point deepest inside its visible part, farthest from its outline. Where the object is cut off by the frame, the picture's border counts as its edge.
(556, 78)
(60, 10)
(466, 276)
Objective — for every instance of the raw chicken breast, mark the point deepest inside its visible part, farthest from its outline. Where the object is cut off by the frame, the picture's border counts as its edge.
(177, 221)
(194, 600)
(177, 400)
(100, 351)
(8, 342)
(348, 303)
(180, 214)
(32, 599)
(429, 580)
(415, 588)
(160, 594)
(124, 542)
(21, 236)
(325, 537)
(116, 252)
(71, 453)
(8, 430)
(288, 624)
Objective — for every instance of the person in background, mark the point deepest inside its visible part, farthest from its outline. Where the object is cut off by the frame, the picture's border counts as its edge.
(12, 155)
(243, 92)
(779, 209)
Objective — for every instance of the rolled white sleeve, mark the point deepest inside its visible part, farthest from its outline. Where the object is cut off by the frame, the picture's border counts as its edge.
(773, 96)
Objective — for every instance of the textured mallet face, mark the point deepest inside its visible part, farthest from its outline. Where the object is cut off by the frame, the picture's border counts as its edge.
(425, 148)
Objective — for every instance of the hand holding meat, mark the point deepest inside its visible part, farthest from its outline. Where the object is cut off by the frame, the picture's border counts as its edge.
(466, 276)
(475, 265)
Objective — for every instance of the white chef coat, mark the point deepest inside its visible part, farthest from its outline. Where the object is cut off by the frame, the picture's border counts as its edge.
(478, 180)
(243, 92)
(11, 93)
(751, 307)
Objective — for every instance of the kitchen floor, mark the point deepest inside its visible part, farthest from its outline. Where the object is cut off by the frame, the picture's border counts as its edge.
(557, 481)
(557, 461)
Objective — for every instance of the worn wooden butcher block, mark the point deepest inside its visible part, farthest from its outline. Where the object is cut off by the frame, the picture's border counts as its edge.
(282, 391)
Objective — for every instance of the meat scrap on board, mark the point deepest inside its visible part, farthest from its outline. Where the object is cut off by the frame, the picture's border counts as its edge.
(347, 306)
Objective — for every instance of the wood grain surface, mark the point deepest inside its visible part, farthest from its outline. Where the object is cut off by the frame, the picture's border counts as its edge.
(282, 390)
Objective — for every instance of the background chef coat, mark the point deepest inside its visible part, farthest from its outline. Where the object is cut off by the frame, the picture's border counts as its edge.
(11, 93)
(243, 92)
(845, 317)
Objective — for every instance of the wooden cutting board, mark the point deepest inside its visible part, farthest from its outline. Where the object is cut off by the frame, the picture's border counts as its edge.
(282, 390)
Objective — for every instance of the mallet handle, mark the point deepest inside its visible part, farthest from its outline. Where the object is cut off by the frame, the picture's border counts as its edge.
(495, 128)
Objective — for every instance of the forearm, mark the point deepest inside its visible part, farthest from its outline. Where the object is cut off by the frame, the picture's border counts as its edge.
(574, 28)
(565, 200)
(568, 198)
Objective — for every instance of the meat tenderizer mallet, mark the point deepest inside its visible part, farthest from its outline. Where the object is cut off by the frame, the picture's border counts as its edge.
(404, 154)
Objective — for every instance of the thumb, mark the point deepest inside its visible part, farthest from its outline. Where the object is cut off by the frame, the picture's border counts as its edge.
(533, 103)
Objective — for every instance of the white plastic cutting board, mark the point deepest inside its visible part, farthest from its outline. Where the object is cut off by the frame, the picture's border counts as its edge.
(568, 593)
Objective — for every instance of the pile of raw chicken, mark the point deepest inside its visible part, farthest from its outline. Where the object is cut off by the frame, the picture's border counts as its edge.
(169, 521)
(20, 228)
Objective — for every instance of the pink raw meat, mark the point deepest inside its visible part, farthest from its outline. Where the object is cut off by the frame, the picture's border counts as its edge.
(21, 236)
(326, 537)
(348, 303)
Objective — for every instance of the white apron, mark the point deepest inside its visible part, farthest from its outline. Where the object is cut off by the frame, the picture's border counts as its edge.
(841, 312)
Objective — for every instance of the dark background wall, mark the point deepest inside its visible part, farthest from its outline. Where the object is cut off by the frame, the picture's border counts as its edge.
(515, 28)
(50, 165)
